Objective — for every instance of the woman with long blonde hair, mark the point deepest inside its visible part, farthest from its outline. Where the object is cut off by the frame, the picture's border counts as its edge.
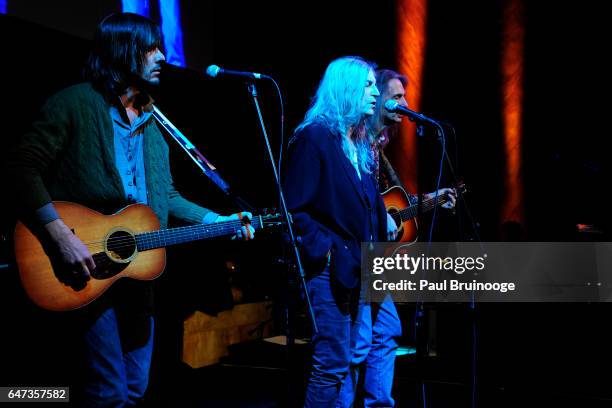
(336, 205)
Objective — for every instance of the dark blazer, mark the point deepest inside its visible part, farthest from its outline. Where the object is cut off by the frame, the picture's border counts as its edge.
(333, 209)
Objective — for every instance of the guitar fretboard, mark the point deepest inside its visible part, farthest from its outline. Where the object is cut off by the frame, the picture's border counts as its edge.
(410, 212)
(173, 236)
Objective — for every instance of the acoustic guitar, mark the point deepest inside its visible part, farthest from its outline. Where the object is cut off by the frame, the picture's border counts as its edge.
(127, 244)
(404, 213)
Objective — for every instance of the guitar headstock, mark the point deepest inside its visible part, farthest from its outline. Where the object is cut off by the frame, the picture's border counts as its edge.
(271, 220)
(461, 188)
(272, 217)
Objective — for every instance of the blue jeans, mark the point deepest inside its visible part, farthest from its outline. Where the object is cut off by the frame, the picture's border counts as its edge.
(337, 311)
(346, 339)
(117, 372)
(375, 345)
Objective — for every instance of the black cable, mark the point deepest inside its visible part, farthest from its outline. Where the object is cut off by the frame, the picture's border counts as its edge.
(456, 182)
(472, 301)
(442, 138)
(282, 127)
(420, 313)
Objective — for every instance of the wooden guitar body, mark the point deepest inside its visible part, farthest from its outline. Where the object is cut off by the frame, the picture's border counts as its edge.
(127, 244)
(396, 200)
(110, 239)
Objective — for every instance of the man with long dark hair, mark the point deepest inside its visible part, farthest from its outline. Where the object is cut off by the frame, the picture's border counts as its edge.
(383, 326)
(97, 144)
(384, 126)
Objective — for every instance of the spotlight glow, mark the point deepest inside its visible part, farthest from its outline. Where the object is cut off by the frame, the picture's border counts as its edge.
(411, 24)
(512, 72)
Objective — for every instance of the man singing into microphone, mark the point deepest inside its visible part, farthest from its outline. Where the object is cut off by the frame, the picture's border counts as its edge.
(97, 144)
(384, 125)
(381, 326)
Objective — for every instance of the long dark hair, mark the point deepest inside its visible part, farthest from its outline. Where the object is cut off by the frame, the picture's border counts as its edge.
(120, 44)
(375, 122)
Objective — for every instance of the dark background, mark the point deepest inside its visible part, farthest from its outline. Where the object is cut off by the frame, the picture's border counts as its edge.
(551, 348)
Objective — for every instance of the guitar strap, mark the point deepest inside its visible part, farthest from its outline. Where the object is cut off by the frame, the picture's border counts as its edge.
(392, 177)
(198, 158)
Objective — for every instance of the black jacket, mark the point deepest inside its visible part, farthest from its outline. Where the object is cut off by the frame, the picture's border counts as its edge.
(332, 208)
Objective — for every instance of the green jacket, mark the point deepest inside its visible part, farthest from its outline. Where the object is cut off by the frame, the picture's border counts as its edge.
(69, 155)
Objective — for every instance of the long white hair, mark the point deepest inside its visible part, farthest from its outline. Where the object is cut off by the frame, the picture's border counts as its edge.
(337, 105)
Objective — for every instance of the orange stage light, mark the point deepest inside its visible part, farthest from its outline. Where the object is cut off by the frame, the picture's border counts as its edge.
(512, 71)
(411, 25)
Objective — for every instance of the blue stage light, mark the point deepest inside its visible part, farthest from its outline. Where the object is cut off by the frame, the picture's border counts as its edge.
(172, 31)
(136, 6)
(170, 25)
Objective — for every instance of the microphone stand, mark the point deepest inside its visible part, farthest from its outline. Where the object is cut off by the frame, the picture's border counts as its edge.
(298, 262)
(442, 139)
(198, 158)
(422, 330)
(472, 306)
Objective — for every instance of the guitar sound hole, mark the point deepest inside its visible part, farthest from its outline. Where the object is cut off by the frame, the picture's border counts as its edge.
(121, 245)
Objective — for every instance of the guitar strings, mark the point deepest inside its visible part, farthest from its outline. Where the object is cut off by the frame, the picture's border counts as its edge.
(129, 241)
(176, 232)
(427, 205)
(180, 232)
(214, 228)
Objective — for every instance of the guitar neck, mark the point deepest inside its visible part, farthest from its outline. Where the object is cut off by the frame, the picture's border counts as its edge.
(173, 236)
(410, 212)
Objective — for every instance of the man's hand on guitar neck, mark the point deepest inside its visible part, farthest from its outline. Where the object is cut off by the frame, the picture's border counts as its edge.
(246, 232)
(452, 197)
(76, 260)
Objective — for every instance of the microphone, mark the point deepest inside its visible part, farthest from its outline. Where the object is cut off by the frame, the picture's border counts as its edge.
(214, 70)
(394, 107)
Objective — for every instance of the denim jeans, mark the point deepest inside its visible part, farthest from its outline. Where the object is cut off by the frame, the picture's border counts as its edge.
(337, 311)
(117, 371)
(374, 351)
(346, 340)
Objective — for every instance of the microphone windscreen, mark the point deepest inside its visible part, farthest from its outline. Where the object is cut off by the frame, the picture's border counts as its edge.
(391, 105)
(212, 71)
